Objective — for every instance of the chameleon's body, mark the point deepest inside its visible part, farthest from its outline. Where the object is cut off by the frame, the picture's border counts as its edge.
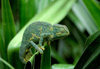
(39, 32)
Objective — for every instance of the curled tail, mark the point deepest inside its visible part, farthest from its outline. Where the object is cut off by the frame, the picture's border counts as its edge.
(25, 54)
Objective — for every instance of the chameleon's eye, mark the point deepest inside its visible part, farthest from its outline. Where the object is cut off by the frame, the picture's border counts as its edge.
(62, 31)
(26, 53)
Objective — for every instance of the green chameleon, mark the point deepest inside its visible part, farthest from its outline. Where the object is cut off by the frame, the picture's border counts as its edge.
(36, 34)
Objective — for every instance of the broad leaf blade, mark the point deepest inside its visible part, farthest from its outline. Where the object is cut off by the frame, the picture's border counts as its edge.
(41, 4)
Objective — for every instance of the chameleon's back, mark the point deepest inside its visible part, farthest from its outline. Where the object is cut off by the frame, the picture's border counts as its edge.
(33, 33)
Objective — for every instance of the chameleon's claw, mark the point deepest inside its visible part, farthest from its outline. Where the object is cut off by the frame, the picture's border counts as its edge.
(42, 47)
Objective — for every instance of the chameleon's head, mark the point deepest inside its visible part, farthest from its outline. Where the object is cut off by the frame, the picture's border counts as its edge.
(60, 31)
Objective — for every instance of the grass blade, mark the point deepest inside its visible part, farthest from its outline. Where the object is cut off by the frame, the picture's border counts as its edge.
(93, 10)
(84, 17)
(2, 52)
(91, 55)
(26, 7)
(7, 21)
(8, 27)
(46, 58)
(32, 7)
(62, 66)
(8, 24)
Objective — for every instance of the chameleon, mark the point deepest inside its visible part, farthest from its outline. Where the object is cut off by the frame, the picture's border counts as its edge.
(36, 34)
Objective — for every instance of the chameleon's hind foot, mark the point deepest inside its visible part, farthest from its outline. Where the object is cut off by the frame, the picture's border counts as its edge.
(36, 47)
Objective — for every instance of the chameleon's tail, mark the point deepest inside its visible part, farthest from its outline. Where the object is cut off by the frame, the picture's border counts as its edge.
(25, 54)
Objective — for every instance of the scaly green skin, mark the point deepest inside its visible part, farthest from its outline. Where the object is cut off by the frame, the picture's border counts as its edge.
(36, 34)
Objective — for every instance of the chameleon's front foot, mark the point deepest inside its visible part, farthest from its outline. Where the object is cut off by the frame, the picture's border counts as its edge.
(42, 47)
(37, 47)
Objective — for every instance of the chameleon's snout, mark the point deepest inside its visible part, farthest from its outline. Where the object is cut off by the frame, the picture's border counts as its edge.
(61, 30)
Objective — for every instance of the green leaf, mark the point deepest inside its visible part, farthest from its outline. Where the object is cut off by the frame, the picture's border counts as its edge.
(62, 66)
(91, 55)
(2, 50)
(82, 14)
(8, 27)
(46, 58)
(27, 11)
(93, 10)
(50, 15)
(41, 4)
(7, 23)
(1, 47)
(32, 7)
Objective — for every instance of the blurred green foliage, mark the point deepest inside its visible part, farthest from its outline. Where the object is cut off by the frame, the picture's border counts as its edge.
(75, 51)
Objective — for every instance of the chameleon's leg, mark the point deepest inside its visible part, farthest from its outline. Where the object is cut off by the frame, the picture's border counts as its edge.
(41, 39)
(36, 47)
